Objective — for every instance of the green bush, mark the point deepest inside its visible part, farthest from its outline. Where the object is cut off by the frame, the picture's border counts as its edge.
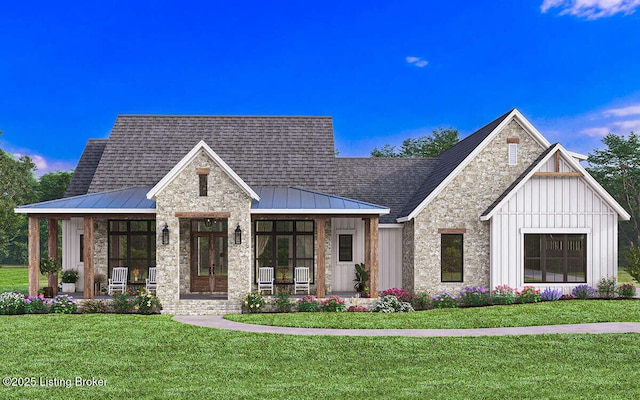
(391, 304)
(122, 303)
(283, 301)
(627, 290)
(333, 304)
(63, 304)
(308, 303)
(36, 305)
(254, 301)
(606, 287)
(421, 300)
(95, 307)
(445, 300)
(146, 303)
(11, 303)
(503, 294)
(529, 294)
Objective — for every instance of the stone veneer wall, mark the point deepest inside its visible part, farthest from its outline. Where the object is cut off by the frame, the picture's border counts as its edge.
(408, 249)
(101, 249)
(185, 255)
(460, 205)
(182, 195)
(328, 270)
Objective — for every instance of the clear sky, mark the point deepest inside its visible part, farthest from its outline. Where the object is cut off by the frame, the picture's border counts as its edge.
(385, 70)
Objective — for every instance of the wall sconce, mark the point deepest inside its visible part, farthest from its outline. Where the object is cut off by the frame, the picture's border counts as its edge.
(165, 234)
(208, 222)
(238, 235)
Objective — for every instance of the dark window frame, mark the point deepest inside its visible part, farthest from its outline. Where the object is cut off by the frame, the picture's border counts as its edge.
(126, 260)
(543, 259)
(293, 233)
(444, 259)
(203, 185)
(349, 258)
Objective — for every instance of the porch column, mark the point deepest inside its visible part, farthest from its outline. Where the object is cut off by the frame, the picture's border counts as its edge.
(371, 253)
(34, 255)
(53, 251)
(88, 257)
(320, 284)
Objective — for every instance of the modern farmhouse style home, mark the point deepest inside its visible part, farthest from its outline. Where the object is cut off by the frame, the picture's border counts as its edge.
(210, 204)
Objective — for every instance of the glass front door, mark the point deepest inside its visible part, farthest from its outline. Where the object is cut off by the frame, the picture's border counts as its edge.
(209, 261)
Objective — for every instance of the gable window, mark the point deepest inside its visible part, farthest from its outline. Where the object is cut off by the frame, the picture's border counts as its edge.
(284, 245)
(555, 258)
(513, 153)
(345, 248)
(451, 257)
(132, 244)
(202, 184)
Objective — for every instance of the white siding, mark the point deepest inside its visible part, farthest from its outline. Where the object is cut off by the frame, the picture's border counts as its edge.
(553, 205)
(71, 231)
(389, 258)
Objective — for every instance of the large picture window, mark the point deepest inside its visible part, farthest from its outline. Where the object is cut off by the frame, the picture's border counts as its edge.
(132, 244)
(284, 245)
(555, 258)
(451, 258)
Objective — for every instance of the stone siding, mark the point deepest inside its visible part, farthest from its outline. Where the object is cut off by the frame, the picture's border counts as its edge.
(182, 195)
(101, 250)
(459, 206)
(408, 251)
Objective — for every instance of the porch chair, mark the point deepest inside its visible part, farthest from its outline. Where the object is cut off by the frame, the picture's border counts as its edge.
(265, 278)
(151, 280)
(118, 280)
(301, 279)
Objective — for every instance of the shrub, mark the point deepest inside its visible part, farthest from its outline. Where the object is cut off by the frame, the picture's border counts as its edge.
(503, 294)
(400, 294)
(476, 296)
(626, 290)
(357, 309)
(583, 292)
(63, 304)
(333, 304)
(308, 303)
(254, 301)
(283, 301)
(95, 307)
(122, 303)
(633, 259)
(528, 294)
(391, 304)
(551, 294)
(606, 287)
(11, 303)
(444, 300)
(69, 276)
(421, 300)
(146, 303)
(566, 297)
(36, 305)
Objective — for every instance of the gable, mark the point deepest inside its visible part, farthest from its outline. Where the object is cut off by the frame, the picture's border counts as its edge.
(86, 168)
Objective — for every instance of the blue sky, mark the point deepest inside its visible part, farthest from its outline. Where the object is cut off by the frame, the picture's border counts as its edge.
(384, 70)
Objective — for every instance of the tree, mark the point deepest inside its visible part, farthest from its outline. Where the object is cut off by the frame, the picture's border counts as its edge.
(425, 146)
(53, 185)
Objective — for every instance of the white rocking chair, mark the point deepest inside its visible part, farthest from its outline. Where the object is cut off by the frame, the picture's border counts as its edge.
(151, 284)
(301, 279)
(118, 280)
(265, 278)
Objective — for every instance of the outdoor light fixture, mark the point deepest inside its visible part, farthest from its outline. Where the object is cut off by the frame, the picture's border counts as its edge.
(208, 222)
(238, 235)
(165, 234)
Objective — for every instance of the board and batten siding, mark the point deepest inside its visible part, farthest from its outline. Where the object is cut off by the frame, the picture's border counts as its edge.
(71, 230)
(389, 257)
(553, 205)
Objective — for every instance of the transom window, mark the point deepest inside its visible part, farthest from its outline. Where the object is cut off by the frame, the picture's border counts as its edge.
(284, 245)
(132, 244)
(451, 257)
(555, 258)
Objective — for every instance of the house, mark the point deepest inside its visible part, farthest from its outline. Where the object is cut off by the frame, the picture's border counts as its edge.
(209, 200)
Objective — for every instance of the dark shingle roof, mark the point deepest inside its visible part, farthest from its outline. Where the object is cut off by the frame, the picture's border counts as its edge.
(387, 181)
(449, 160)
(263, 151)
(520, 178)
(83, 174)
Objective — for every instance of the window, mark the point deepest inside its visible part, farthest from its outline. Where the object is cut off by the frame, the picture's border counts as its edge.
(132, 244)
(555, 258)
(451, 257)
(345, 248)
(81, 248)
(202, 184)
(284, 245)
(513, 153)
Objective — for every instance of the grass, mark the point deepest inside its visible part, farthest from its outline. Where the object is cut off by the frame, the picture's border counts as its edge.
(152, 357)
(624, 277)
(15, 278)
(546, 313)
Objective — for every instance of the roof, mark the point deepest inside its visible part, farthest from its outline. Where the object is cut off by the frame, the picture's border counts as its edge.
(130, 200)
(263, 151)
(388, 181)
(449, 160)
(86, 167)
(304, 201)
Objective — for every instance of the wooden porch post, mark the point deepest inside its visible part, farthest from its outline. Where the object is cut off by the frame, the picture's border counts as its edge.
(34, 255)
(371, 253)
(52, 251)
(88, 257)
(320, 285)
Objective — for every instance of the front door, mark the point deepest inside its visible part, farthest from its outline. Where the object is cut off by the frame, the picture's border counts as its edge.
(209, 261)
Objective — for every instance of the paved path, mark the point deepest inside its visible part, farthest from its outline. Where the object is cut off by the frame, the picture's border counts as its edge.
(219, 322)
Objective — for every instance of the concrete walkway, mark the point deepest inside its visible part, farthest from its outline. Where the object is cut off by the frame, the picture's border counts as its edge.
(219, 322)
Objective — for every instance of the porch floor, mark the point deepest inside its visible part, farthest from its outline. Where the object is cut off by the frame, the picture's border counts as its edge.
(215, 296)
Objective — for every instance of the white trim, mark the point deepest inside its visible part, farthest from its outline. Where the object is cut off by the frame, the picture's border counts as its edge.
(320, 211)
(390, 226)
(179, 167)
(557, 231)
(514, 115)
(579, 156)
(622, 213)
(73, 211)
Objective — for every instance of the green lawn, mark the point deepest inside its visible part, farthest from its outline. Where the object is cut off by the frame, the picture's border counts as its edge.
(15, 278)
(153, 357)
(546, 313)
